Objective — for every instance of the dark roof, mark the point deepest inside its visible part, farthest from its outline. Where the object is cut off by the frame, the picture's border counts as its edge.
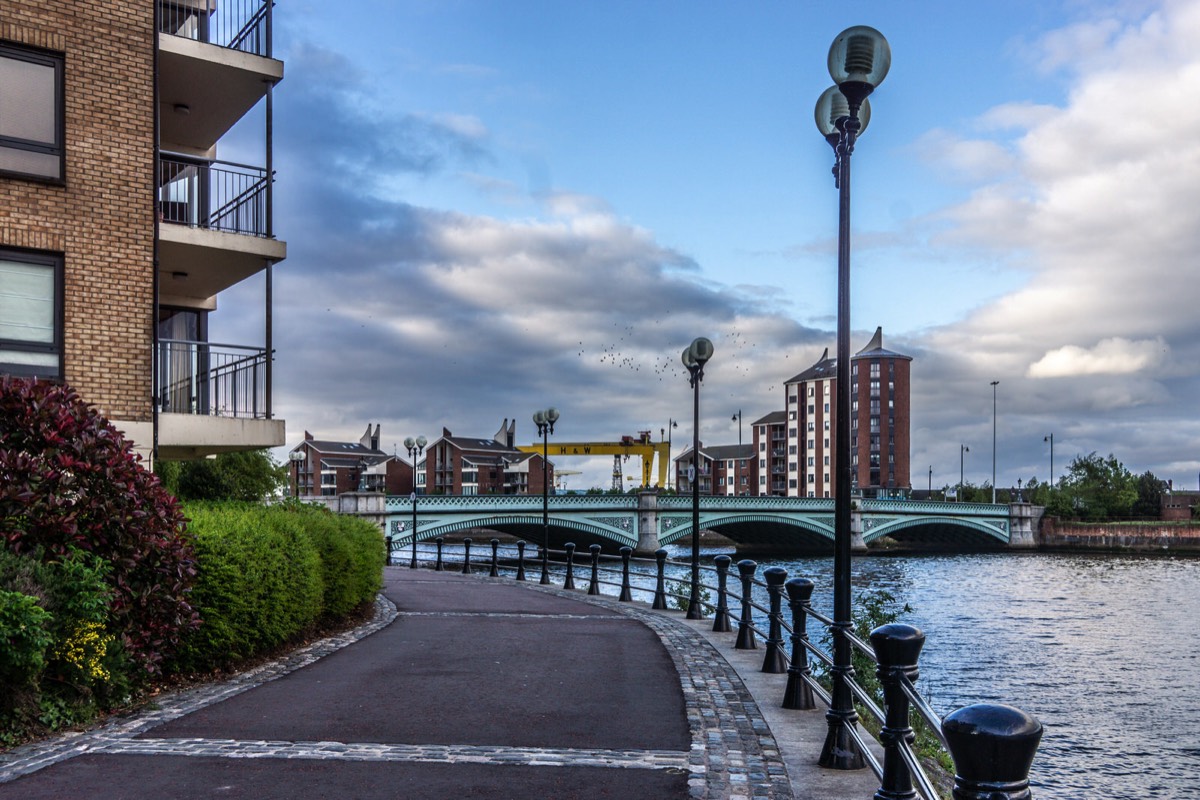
(341, 448)
(875, 349)
(825, 367)
(721, 452)
(470, 445)
(774, 418)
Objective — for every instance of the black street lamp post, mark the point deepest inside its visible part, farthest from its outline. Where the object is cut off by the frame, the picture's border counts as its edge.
(859, 59)
(415, 447)
(962, 450)
(545, 426)
(994, 441)
(1050, 439)
(695, 356)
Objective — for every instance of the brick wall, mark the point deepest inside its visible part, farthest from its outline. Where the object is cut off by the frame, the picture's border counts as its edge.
(102, 218)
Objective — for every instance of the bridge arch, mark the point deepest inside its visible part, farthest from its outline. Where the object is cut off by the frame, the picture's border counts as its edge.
(752, 530)
(942, 530)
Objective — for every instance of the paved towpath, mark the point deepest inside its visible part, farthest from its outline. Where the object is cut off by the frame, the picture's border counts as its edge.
(463, 687)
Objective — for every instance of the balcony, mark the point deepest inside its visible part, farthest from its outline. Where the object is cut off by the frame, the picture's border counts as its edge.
(211, 398)
(215, 227)
(214, 65)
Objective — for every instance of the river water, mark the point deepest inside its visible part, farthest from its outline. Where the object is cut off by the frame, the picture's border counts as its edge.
(1096, 647)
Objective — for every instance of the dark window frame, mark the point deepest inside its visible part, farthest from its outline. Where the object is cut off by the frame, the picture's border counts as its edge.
(56, 347)
(56, 60)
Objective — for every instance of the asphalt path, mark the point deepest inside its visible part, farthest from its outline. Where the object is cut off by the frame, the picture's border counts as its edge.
(476, 689)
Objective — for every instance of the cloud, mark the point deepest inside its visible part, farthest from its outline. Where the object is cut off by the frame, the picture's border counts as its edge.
(1114, 356)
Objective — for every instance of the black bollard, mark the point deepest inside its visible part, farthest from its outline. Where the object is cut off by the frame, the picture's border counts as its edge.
(521, 560)
(745, 637)
(897, 647)
(439, 566)
(993, 747)
(594, 587)
(466, 570)
(722, 622)
(660, 589)
(494, 572)
(774, 660)
(389, 550)
(799, 694)
(569, 583)
(626, 590)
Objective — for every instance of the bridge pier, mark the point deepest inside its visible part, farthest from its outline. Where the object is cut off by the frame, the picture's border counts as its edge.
(647, 527)
(1024, 519)
(857, 543)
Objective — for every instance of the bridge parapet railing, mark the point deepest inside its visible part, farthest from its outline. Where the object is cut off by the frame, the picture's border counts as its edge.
(512, 502)
(933, 507)
(992, 746)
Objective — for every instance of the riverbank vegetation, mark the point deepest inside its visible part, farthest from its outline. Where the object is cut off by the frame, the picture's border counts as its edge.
(1093, 489)
(110, 588)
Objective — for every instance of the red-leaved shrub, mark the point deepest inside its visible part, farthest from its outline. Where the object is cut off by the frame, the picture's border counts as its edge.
(69, 479)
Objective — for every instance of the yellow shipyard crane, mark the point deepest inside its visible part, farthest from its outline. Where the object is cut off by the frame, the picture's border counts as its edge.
(641, 445)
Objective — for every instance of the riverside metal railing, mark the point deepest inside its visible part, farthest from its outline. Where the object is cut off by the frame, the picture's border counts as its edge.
(217, 195)
(205, 378)
(992, 745)
(243, 25)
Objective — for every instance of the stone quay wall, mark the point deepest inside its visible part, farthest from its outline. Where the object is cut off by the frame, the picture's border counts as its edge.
(1143, 537)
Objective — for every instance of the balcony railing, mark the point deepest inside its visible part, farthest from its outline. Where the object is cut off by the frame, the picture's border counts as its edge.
(216, 195)
(220, 380)
(237, 24)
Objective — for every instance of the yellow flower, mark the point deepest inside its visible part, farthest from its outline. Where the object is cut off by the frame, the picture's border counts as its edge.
(85, 649)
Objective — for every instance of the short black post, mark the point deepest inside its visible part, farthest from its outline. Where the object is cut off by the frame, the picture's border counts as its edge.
(594, 587)
(521, 560)
(389, 550)
(722, 622)
(660, 589)
(799, 694)
(439, 567)
(569, 583)
(745, 637)
(545, 579)
(993, 746)
(494, 572)
(626, 591)
(774, 661)
(897, 647)
(466, 570)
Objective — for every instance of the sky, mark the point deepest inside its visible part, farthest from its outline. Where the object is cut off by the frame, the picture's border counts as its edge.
(495, 207)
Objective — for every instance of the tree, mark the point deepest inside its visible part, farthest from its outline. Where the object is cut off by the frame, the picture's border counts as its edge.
(1095, 488)
(1150, 489)
(250, 475)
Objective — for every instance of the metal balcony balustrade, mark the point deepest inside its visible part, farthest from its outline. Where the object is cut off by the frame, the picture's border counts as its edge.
(207, 379)
(243, 25)
(217, 195)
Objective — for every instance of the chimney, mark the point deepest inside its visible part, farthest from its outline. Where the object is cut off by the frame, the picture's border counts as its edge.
(375, 437)
(308, 437)
(512, 434)
(365, 441)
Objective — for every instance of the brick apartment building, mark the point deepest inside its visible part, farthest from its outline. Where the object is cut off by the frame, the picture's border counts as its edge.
(321, 468)
(119, 228)
(462, 465)
(724, 470)
(796, 448)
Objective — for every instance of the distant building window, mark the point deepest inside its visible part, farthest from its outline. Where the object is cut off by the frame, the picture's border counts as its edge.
(31, 337)
(31, 142)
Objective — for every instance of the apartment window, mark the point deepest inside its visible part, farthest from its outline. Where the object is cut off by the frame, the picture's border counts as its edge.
(31, 327)
(827, 408)
(31, 142)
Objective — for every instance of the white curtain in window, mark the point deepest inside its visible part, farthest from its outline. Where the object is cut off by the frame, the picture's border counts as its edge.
(27, 310)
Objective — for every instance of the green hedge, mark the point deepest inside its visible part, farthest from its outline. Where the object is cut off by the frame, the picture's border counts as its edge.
(265, 575)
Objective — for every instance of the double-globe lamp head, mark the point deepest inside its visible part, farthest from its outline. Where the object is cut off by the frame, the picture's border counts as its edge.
(697, 354)
(859, 60)
(546, 419)
(417, 444)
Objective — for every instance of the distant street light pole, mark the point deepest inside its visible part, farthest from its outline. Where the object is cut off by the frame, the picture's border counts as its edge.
(545, 426)
(671, 424)
(930, 481)
(414, 447)
(994, 441)
(738, 417)
(962, 448)
(1050, 439)
(858, 61)
(695, 356)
